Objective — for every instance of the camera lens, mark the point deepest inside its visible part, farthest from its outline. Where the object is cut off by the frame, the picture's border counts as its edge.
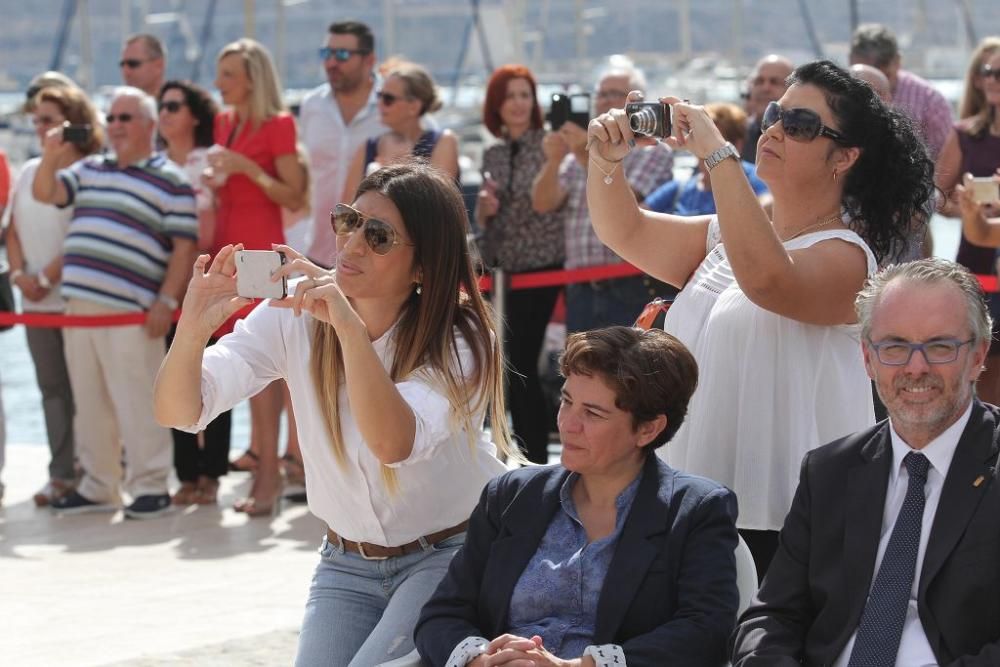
(643, 122)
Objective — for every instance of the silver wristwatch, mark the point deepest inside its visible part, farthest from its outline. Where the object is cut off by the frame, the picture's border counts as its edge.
(721, 154)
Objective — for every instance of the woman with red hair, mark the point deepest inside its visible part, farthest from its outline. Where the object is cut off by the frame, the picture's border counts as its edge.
(518, 239)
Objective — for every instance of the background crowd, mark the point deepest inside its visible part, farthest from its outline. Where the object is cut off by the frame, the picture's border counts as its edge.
(800, 196)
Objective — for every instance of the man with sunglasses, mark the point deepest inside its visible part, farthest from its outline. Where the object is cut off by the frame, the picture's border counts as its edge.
(766, 84)
(889, 553)
(874, 44)
(335, 120)
(143, 63)
(129, 248)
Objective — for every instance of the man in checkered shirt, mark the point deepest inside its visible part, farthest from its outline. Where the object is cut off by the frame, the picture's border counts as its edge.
(874, 44)
(562, 185)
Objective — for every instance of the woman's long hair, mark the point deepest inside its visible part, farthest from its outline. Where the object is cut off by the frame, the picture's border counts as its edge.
(888, 190)
(973, 107)
(265, 95)
(425, 333)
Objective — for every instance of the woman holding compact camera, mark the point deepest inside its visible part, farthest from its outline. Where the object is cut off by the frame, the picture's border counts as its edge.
(973, 147)
(35, 251)
(392, 363)
(767, 305)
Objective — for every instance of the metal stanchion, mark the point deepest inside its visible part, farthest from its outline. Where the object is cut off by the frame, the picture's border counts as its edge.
(499, 278)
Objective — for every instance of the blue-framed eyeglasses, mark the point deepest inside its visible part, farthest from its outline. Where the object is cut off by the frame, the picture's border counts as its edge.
(340, 55)
(899, 352)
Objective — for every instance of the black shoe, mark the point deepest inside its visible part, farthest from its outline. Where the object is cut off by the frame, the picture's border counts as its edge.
(149, 507)
(74, 503)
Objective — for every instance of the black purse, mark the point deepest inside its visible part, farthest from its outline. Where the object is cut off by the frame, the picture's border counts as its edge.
(6, 294)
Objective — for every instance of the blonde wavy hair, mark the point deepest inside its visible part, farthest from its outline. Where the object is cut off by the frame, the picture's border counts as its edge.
(973, 107)
(449, 305)
(265, 92)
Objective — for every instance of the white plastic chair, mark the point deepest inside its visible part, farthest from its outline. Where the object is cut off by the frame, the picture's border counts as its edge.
(746, 575)
(411, 659)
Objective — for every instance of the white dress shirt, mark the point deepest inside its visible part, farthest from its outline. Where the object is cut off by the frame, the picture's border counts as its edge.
(914, 649)
(331, 145)
(439, 483)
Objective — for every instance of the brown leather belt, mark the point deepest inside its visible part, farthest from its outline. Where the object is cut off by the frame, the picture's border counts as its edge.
(378, 552)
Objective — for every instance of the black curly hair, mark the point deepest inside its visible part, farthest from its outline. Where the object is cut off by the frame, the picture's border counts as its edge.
(202, 107)
(889, 190)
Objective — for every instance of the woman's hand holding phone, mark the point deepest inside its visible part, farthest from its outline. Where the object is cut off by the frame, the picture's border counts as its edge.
(211, 294)
(318, 294)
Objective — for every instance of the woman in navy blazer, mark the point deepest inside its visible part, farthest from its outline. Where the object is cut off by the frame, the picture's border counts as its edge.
(610, 558)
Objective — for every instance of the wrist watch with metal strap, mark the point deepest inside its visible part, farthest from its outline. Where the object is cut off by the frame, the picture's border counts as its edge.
(727, 151)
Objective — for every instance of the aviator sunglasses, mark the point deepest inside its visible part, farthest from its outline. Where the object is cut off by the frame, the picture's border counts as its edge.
(340, 55)
(986, 72)
(799, 124)
(131, 63)
(379, 235)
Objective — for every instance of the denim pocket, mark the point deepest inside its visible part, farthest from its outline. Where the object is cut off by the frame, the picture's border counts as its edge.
(452, 542)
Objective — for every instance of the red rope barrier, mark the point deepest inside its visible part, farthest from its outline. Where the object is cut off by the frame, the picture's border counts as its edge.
(519, 281)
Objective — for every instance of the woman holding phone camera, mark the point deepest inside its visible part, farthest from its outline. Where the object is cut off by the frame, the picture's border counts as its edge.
(392, 363)
(35, 252)
(255, 171)
(973, 147)
(517, 239)
(767, 305)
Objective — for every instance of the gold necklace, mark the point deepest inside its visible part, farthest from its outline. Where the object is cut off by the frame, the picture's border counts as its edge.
(833, 217)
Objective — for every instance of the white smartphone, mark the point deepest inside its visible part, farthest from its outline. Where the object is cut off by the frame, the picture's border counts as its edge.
(985, 189)
(254, 269)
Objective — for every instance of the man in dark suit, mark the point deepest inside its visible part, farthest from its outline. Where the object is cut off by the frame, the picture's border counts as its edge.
(890, 554)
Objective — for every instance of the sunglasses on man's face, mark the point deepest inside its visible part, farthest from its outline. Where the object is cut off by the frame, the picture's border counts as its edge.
(340, 55)
(380, 236)
(171, 106)
(798, 124)
(122, 118)
(131, 63)
(986, 72)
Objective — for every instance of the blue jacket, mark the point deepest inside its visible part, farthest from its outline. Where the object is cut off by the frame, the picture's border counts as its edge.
(670, 594)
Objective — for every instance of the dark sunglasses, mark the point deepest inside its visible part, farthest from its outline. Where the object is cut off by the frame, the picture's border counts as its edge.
(122, 118)
(388, 99)
(379, 235)
(131, 63)
(799, 124)
(340, 55)
(986, 72)
(171, 106)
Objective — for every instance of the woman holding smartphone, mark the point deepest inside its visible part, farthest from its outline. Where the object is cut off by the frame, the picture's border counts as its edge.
(255, 170)
(392, 363)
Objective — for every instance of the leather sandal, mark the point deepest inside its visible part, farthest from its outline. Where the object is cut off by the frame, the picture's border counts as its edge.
(207, 492)
(186, 494)
(246, 462)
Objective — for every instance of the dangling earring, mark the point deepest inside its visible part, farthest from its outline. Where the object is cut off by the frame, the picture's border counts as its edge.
(834, 175)
(420, 289)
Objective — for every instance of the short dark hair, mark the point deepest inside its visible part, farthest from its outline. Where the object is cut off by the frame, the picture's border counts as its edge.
(366, 40)
(201, 105)
(875, 43)
(651, 372)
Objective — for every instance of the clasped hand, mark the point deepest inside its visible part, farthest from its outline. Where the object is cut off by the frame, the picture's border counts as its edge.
(513, 651)
(610, 137)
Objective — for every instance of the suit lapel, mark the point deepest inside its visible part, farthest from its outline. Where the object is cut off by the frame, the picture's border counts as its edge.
(960, 496)
(865, 497)
(526, 523)
(634, 553)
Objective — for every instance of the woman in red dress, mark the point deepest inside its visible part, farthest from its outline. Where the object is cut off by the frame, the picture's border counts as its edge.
(255, 172)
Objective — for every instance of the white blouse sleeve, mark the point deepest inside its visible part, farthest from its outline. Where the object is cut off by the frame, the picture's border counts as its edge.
(436, 421)
(242, 363)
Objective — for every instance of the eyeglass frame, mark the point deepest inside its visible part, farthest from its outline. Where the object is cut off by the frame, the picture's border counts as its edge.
(389, 99)
(913, 347)
(171, 106)
(988, 71)
(822, 130)
(365, 220)
(134, 63)
(120, 117)
(327, 52)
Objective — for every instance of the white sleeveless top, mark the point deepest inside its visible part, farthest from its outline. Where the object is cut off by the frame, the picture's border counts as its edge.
(770, 388)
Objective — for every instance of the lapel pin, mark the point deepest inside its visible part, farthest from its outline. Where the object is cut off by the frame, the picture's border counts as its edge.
(979, 480)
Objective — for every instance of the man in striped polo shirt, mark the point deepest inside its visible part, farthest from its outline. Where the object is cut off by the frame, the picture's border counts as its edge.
(130, 247)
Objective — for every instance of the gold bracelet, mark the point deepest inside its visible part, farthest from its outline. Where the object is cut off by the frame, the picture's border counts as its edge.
(607, 174)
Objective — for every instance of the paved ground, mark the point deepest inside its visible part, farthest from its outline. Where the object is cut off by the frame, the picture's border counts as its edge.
(204, 586)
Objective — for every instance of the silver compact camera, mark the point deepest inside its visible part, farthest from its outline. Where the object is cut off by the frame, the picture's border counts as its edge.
(649, 119)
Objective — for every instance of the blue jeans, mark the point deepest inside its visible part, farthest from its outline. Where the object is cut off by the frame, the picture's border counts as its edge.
(605, 303)
(361, 613)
